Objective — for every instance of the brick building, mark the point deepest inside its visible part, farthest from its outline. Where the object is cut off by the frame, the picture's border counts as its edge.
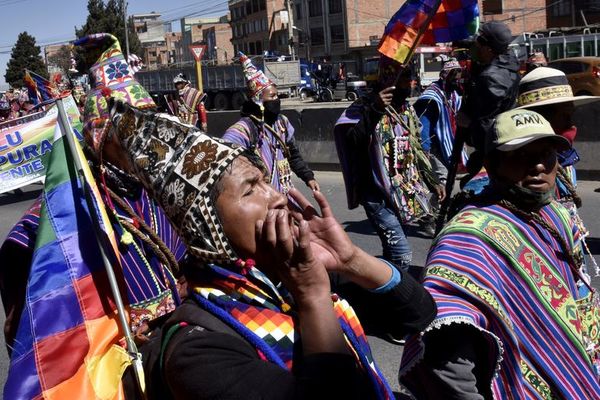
(519, 15)
(258, 26)
(217, 38)
(341, 30)
(563, 13)
(160, 46)
(215, 32)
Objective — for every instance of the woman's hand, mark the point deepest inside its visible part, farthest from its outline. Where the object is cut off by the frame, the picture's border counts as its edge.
(301, 272)
(329, 242)
(332, 246)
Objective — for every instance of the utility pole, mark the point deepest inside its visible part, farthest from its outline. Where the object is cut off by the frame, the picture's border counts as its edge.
(289, 6)
(126, 30)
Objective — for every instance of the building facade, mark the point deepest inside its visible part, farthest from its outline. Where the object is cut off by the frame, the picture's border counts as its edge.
(160, 46)
(259, 25)
(519, 15)
(341, 30)
(219, 49)
(211, 31)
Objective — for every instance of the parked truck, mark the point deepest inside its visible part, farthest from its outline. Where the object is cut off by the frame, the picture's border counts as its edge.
(223, 84)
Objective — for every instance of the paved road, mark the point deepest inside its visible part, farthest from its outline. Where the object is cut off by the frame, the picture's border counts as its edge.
(354, 221)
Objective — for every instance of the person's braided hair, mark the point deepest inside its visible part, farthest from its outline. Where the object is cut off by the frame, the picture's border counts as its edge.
(562, 176)
(149, 237)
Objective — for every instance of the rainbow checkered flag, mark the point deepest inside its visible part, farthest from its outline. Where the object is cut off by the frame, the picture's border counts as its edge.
(428, 22)
(67, 343)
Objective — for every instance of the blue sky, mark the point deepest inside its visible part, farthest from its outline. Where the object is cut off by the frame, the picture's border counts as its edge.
(51, 21)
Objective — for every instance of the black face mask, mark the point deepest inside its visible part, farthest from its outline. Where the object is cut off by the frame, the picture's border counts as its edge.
(527, 198)
(272, 109)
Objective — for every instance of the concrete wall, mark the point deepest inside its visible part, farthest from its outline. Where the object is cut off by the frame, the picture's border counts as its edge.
(314, 134)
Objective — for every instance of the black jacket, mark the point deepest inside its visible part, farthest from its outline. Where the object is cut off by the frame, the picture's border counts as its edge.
(207, 359)
(492, 91)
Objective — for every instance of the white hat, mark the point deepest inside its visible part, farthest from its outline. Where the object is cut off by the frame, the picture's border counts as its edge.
(544, 86)
(180, 78)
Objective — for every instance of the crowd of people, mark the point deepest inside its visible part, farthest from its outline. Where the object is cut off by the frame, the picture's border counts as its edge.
(238, 286)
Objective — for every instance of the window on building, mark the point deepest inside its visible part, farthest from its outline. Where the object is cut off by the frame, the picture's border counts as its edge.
(314, 8)
(248, 7)
(591, 6)
(337, 33)
(255, 6)
(335, 6)
(263, 5)
(259, 48)
(298, 14)
(561, 8)
(491, 7)
(257, 25)
(252, 48)
(265, 24)
(316, 36)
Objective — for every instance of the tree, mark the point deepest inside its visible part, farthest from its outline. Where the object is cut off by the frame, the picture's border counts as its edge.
(61, 59)
(109, 18)
(25, 55)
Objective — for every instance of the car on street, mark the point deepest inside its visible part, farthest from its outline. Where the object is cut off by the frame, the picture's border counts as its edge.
(583, 74)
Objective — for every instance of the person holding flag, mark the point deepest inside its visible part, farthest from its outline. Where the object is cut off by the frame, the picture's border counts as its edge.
(384, 167)
(146, 256)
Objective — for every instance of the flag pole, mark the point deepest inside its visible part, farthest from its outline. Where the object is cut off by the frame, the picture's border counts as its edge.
(66, 128)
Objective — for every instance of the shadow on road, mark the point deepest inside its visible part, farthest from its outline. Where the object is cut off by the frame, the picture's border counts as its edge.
(363, 227)
(594, 245)
(18, 196)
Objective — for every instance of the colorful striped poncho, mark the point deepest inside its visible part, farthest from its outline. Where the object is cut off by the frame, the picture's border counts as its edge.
(261, 313)
(508, 278)
(445, 126)
(271, 150)
(150, 286)
(400, 168)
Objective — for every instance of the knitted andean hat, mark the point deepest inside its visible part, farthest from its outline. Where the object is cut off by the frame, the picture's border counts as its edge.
(180, 78)
(544, 86)
(449, 65)
(179, 165)
(256, 80)
(110, 78)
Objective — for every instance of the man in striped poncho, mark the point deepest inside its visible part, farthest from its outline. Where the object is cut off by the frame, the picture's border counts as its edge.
(511, 323)
(437, 109)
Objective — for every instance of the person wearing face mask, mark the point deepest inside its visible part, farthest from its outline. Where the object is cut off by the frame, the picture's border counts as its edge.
(384, 167)
(504, 273)
(266, 131)
(437, 108)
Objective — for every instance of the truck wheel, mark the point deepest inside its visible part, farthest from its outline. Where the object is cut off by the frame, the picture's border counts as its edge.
(237, 100)
(303, 95)
(221, 101)
(326, 95)
(351, 96)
